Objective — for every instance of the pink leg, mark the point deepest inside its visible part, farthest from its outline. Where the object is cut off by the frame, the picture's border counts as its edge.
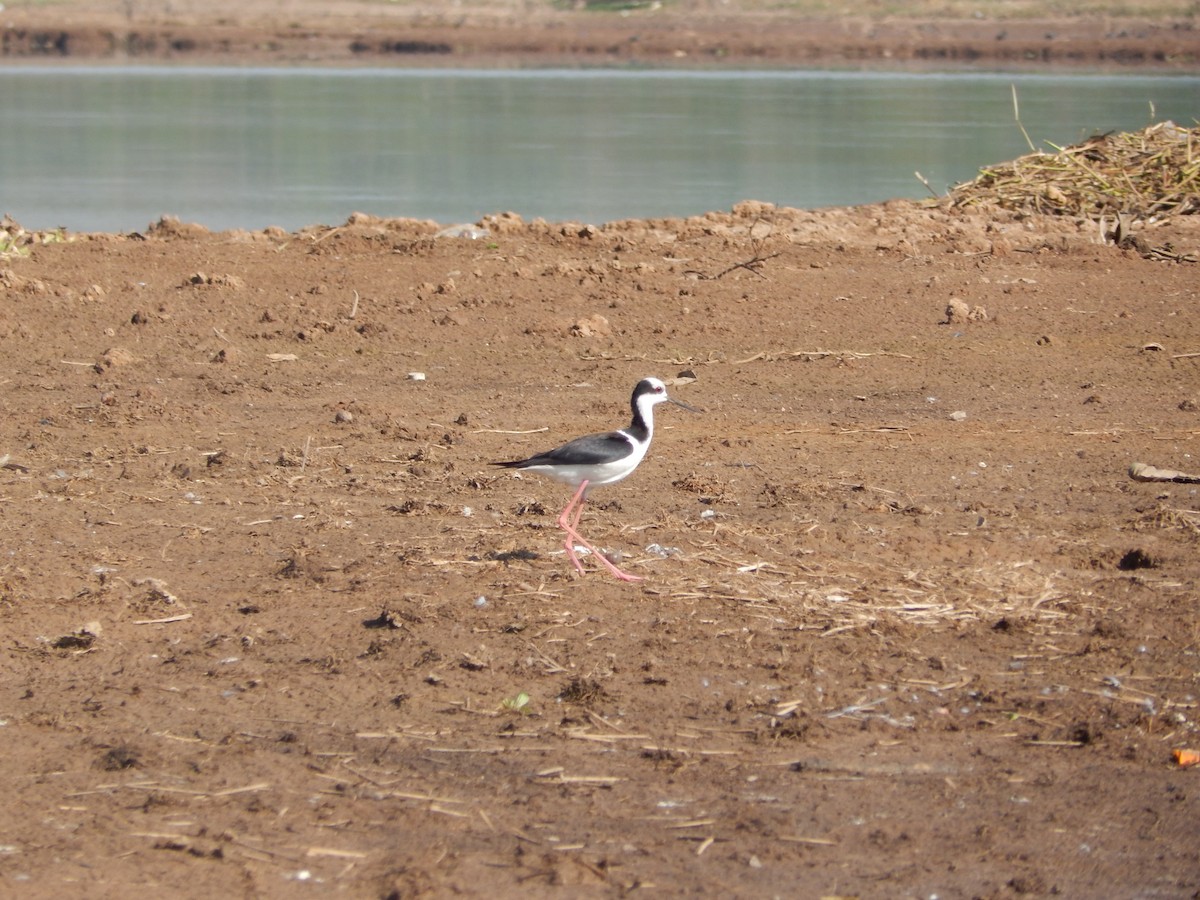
(571, 526)
(564, 522)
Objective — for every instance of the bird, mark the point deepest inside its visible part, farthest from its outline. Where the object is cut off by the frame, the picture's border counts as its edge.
(595, 460)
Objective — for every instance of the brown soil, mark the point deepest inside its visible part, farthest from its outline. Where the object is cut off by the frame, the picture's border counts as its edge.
(270, 617)
(990, 33)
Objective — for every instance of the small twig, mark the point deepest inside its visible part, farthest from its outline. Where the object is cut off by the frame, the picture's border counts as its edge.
(556, 776)
(750, 265)
(1017, 116)
(328, 234)
(818, 354)
(165, 621)
(250, 788)
(925, 181)
(334, 852)
(552, 667)
(503, 431)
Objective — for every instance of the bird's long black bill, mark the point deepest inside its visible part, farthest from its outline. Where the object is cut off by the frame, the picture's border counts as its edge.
(683, 405)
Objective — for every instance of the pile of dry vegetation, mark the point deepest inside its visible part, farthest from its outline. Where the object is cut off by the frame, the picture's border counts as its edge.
(1154, 173)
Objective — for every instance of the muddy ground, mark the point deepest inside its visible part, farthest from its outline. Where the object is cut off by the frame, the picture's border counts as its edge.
(274, 627)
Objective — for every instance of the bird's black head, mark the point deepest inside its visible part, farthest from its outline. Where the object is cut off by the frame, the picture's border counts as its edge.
(653, 386)
(650, 392)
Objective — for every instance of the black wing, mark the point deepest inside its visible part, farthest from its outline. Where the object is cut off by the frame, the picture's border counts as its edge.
(590, 450)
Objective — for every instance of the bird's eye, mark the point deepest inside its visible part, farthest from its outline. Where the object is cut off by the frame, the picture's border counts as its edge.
(658, 389)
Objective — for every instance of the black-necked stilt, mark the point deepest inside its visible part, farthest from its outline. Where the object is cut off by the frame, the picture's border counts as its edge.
(599, 459)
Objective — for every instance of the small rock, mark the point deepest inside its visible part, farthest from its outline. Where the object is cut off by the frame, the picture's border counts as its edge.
(171, 227)
(116, 357)
(662, 552)
(199, 278)
(959, 312)
(593, 326)
(470, 232)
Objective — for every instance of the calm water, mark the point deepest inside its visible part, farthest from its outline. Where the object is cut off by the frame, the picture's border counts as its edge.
(114, 149)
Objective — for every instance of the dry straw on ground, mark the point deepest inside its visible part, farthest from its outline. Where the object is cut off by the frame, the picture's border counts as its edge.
(1149, 173)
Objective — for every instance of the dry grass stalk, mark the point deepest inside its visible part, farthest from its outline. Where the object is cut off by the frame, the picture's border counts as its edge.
(559, 778)
(851, 596)
(167, 621)
(1170, 517)
(334, 852)
(775, 356)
